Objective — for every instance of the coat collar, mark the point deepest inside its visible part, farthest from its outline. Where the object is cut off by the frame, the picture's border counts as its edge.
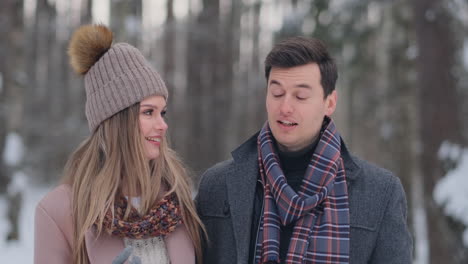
(351, 167)
(241, 184)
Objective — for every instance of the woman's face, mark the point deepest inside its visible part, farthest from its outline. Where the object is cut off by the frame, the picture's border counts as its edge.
(152, 124)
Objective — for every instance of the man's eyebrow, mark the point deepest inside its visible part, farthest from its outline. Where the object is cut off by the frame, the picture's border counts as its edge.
(274, 82)
(303, 85)
(300, 85)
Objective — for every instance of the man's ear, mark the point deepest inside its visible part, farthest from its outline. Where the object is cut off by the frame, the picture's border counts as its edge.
(330, 103)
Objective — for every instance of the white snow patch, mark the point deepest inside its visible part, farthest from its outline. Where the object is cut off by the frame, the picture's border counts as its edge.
(181, 8)
(449, 151)
(153, 13)
(14, 149)
(374, 13)
(450, 192)
(386, 130)
(18, 183)
(325, 18)
(411, 52)
(308, 25)
(20, 251)
(100, 12)
(132, 25)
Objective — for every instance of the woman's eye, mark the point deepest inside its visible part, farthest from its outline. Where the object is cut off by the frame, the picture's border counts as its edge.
(163, 113)
(300, 98)
(148, 112)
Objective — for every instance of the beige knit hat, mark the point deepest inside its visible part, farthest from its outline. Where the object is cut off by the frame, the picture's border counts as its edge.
(116, 76)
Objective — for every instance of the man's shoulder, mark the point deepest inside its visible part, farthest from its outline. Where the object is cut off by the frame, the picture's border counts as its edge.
(374, 175)
(362, 172)
(216, 173)
(370, 191)
(220, 167)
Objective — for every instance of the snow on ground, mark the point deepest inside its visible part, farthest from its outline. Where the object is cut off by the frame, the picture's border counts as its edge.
(451, 191)
(21, 251)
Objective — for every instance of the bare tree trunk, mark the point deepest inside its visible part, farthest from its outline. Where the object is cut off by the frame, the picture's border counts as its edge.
(126, 21)
(55, 94)
(203, 49)
(76, 92)
(439, 117)
(11, 100)
(60, 94)
(14, 207)
(86, 10)
(36, 126)
(256, 88)
(6, 26)
(226, 60)
(12, 77)
(169, 44)
(399, 123)
(176, 106)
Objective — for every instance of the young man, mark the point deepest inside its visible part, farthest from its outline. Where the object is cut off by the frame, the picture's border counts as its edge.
(293, 193)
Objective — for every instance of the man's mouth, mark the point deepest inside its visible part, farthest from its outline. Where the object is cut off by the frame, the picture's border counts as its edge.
(287, 123)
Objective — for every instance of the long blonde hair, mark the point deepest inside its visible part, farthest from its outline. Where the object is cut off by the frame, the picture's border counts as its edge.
(112, 156)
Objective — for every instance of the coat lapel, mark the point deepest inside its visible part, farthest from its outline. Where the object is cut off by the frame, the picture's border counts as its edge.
(241, 184)
(351, 168)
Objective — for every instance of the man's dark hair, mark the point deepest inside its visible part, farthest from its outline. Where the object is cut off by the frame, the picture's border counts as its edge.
(297, 51)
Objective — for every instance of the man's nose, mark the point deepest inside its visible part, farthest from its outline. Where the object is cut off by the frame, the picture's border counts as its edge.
(286, 106)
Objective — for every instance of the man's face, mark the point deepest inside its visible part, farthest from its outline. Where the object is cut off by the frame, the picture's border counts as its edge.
(296, 106)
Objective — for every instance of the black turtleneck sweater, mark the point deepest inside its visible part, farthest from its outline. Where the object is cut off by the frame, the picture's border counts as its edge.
(294, 166)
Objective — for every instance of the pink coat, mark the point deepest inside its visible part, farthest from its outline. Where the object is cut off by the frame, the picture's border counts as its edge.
(53, 235)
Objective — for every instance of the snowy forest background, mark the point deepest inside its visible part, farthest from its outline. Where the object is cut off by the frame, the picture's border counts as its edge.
(403, 88)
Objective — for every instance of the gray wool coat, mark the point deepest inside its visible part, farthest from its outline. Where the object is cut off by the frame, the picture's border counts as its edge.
(377, 205)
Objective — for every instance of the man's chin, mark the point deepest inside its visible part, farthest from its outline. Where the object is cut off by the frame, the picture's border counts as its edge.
(285, 146)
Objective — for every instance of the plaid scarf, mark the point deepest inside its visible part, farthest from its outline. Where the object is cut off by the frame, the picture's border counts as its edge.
(320, 209)
(160, 221)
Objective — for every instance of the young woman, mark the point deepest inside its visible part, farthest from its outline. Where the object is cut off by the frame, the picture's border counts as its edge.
(123, 186)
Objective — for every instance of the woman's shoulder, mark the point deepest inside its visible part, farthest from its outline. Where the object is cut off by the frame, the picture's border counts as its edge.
(56, 204)
(57, 196)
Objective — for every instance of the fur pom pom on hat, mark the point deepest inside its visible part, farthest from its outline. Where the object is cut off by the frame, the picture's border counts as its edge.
(87, 45)
(116, 76)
